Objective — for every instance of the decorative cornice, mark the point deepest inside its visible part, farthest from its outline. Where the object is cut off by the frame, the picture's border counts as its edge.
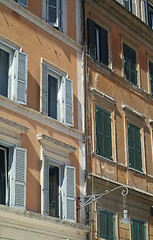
(14, 126)
(128, 109)
(102, 95)
(55, 143)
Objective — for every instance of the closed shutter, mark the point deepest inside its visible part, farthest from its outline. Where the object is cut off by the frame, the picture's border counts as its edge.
(19, 178)
(110, 224)
(24, 3)
(103, 133)
(68, 102)
(142, 232)
(69, 192)
(106, 225)
(45, 187)
(134, 144)
(135, 233)
(21, 76)
(103, 46)
(151, 76)
(91, 39)
(53, 12)
(44, 89)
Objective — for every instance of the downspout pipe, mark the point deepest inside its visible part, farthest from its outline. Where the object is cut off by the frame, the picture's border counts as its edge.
(85, 104)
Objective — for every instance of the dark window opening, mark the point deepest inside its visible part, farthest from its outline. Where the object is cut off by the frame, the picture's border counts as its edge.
(4, 68)
(53, 191)
(52, 96)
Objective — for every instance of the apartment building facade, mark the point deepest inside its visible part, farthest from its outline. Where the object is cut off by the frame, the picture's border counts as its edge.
(120, 118)
(41, 120)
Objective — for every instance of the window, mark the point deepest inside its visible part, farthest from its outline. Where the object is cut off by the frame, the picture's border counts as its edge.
(13, 73)
(12, 175)
(134, 145)
(97, 42)
(150, 15)
(130, 71)
(54, 13)
(103, 133)
(59, 190)
(127, 4)
(106, 225)
(138, 230)
(24, 3)
(57, 95)
(151, 76)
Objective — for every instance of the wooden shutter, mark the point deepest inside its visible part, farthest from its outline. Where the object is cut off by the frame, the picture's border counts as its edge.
(103, 46)
(103, 133)
(135, 233)
(68, 101)
(142, 232)
(69, 192)
(138, 159)
(24, 3)
(21, 77)
(106, 225)
(91, 38)
(45, 187)
(132, 3)
(44, 89)
(110, 226)
(53, 13)
(151, 76)
(18, 190)
(138, 8)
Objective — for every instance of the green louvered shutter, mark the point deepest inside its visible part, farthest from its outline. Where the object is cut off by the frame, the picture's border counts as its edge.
(135, 230)
(138, 230)
(142, 230)
(110, 226)
(134, 144)
(130, 71)
(102, 224)
(91, 38)
(151, 76)
(103, 133)
(103, 46)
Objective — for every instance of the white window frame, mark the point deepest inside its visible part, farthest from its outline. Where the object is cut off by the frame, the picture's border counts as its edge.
(62, 105)
(13, 76)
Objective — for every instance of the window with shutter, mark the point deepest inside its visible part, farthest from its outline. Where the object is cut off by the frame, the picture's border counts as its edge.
(103, 133)
(150, 15)
(58, 190)
(106, 225)
(54, 13)
(13, 176)
(127, 4)
(134, 145)
(13, 73)
(130, 71)
(57, 95)
(23, 3)
(151, 76)
(138, 230)
(97, 42)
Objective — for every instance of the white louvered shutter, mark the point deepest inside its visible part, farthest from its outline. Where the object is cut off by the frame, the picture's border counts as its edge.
(133, 7)
(69, 189)
(21, 77)
(24, 3)
(68, 101)
(45, 187)
(19, 178)
(138, 7)
(44, 89)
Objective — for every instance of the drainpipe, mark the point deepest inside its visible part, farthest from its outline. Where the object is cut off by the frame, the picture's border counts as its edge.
(85, 104)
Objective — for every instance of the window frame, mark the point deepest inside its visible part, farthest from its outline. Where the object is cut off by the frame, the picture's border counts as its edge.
(150, 12)
(113, 219)
(21, 3)
(138, 222)
(97, 28)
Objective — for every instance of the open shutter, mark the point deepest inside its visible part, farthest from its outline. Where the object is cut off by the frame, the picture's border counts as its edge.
(69, 192)
(104, 46)
(24, 3)
(68, 101)
(19, 178)
(45, 187)
(44, 89)
(21, 77)
(91, 38)
(133, 6)
(53, 13)
(138, 7)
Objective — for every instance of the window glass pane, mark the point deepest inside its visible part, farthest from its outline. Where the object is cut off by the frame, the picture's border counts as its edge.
(3, 174)
(52, 15)
(53, 191)
(4, 67)
(52, 96)
(52, 2)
